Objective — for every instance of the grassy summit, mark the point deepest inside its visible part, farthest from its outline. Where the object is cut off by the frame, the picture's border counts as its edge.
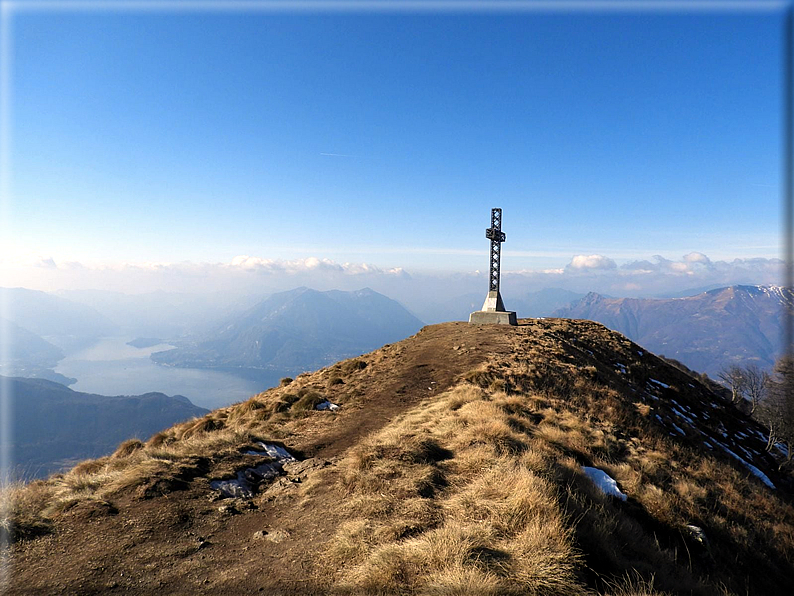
(454, 466)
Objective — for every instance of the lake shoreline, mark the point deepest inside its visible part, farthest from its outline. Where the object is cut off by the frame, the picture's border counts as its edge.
(110, 366)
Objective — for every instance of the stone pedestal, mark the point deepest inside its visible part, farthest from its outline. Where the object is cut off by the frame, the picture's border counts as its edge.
(493, 312)
(494, 317)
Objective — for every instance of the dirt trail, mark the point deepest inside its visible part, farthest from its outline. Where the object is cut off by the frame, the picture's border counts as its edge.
(182, 542)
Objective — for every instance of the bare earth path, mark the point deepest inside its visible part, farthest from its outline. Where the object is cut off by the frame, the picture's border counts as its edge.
(184, 543)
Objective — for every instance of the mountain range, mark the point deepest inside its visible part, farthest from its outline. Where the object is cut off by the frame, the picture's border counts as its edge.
(552, 458)
(298, 330)
(54, 427)
(707, 332)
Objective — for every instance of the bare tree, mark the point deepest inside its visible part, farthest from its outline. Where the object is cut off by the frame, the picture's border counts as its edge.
(733, 377)
(755, 383)
(776, 411)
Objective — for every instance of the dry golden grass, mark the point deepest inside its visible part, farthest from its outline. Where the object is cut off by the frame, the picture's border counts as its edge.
(30, 508)
(516, 513)
(23, 509)
(444, 506)
(127, 448)
(480, 490)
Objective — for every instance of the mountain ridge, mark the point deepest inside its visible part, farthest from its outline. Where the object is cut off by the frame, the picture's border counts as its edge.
(707, 331)
(297, 330)
(457, 462)
(56, 427)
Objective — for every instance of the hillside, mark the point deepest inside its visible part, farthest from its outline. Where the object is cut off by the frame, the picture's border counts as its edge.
(55, 427)
(30, 356)
(298, 330)
(458, 462)
(29, 348)
(54, 318)
(734, 325)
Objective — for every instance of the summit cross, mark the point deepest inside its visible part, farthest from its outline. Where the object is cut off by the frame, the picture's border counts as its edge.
(493, 310)
(496, 236)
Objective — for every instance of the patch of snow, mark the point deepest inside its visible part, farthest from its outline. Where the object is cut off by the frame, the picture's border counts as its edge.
(760, 435)
(326, 405)
(681, 414)
(233, 488)
(277, 452)
(243, 484)
(755, 471)
(665, 385)
(678, 429)
(759, 474)
(621, 367)
(604, 482)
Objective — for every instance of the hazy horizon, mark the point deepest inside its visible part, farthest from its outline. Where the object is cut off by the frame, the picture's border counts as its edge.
(245, 276)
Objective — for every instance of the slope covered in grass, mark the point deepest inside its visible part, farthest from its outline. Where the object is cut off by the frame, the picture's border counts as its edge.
(455, 465)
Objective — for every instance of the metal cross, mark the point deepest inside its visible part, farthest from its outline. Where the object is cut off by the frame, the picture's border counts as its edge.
(496, 236)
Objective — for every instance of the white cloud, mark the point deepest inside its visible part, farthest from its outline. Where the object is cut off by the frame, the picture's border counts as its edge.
(697, 257)
(310, 264)
(46, 263)
(260, 264)
(583, 262)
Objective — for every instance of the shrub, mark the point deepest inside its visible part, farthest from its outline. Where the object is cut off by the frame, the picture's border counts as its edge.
(307, 401)
(127, 448)
(352, 366)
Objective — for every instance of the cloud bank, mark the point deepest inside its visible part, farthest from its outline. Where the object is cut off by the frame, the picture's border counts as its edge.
(247, 274)
(654, 276)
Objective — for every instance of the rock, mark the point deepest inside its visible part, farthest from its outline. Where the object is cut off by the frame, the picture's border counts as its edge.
(277, 536)
(236, 506)
(301, 468)
(697, 534)
(228, 509)
(272, 536)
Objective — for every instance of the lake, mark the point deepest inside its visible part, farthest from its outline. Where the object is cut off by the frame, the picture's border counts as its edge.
(111, 367)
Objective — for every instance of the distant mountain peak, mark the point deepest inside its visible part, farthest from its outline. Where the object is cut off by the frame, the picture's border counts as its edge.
(706, 332)
(300, 329)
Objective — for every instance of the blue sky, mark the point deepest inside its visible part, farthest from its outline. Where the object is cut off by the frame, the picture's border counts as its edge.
(385, 137)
